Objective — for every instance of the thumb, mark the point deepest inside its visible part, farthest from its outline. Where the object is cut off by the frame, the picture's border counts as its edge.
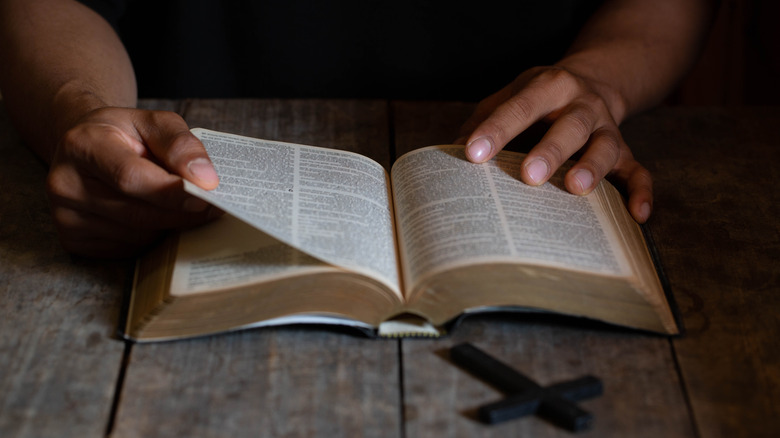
(169, 139)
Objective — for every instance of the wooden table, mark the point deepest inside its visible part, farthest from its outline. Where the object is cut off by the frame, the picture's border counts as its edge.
(717, 227)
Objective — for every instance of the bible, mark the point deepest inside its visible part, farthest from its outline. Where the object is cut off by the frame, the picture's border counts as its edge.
(323, 236)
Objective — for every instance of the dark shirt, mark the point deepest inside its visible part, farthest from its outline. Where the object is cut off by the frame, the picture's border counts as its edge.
(404, 49)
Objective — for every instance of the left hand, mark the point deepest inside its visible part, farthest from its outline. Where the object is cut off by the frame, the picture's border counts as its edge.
(581, 119)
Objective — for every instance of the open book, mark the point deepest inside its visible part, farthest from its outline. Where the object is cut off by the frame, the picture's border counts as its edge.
(316, 235)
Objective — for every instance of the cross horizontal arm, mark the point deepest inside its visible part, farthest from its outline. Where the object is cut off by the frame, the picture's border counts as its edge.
(555, 403)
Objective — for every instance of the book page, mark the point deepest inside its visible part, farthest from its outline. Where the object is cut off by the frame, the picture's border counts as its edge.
(452, 212)
(229, 252)
(331, 204)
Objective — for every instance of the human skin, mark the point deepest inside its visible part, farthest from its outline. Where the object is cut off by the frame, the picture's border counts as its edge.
(115, 172)
(629, 56)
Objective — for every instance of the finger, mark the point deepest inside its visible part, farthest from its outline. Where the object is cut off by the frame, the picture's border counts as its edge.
(568, 134)
(638, 183)
(67, 188)
(601, 155)
(482, 111)
(170, 140)
(110, 154)
(640, 193)
(539, 97)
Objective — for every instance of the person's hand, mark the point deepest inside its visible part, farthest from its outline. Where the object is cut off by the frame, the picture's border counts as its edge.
(580, 120)
(115, 181)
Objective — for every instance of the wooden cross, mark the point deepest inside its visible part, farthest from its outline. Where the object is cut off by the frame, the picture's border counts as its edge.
(555, 403)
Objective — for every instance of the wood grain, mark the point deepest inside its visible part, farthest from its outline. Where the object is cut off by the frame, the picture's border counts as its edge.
(643, 397)
(59, 358)
(715, 225)
(718, 234)
(355, 125)
(271, 382)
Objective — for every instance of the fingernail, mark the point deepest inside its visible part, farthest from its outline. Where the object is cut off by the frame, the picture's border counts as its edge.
(203, 170)
(584, 178)
(537, 170)
(479, 150)
(644, 211)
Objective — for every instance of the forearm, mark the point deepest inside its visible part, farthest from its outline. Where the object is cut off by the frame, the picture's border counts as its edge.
(636, 51)
(59, 61)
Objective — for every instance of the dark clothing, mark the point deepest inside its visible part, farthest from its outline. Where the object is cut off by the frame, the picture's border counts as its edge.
(405, 49)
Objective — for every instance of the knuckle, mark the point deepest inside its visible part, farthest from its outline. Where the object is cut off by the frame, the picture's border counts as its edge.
(643, 176)
(553, 151)
(74, 143)
(73, 136)
(80, 142)
(160, 122)
(502, 124)
(519, 108)
(612, 149)
(581, 122)
(159, 118)
(128, 177)
(183, 147)
(599, 106)
(560, 79)
(609, 144)
(503, 120)
(64, 187)
(56, 184)
(600, 169)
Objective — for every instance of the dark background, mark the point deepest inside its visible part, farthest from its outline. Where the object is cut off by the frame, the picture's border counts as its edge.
(740, 64)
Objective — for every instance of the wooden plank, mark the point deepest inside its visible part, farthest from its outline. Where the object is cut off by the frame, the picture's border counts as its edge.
(268, 382)
(353, 125)
(292, 381)
(59, 358)
(643, 396)
(717, 230)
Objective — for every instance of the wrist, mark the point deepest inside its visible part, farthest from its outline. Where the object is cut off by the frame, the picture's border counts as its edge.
(71, 103)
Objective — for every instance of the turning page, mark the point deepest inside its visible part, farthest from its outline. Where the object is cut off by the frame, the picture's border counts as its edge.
(331, 204)
(229, 253)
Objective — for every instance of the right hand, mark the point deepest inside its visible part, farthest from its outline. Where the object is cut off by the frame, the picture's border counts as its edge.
(581, 119)
(115, 181)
